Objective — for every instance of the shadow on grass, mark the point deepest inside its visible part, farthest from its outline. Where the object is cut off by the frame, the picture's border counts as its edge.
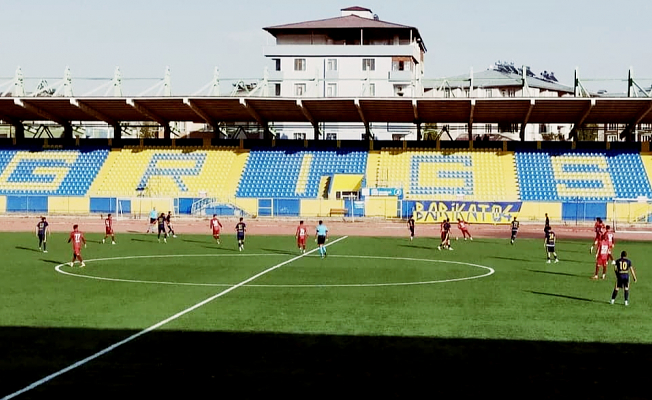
(259, 365)
(410, 246)
(197, 241)
(55, 262)
(28, 249)
(279, 251)
(221, 247)
(515, 259)
(564, 296)
(556, 273)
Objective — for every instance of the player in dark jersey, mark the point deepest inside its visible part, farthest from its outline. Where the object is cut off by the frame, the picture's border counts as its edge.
(240, 230)
(514, 226)
(546, 227)
(161, 228)
(168, 222)
(42, 232)
(410, 225)
(445, 235)
(623, 268)
(549, 244)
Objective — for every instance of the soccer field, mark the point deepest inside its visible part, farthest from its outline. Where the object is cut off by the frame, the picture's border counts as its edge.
(377, 316)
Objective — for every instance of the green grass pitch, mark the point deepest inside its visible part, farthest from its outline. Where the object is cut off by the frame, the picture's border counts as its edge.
(382, 316)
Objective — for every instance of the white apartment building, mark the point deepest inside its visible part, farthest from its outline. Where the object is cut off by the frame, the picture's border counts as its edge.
(354, 55)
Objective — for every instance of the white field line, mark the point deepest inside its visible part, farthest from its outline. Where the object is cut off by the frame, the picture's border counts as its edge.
(157, 325)
(323, 285)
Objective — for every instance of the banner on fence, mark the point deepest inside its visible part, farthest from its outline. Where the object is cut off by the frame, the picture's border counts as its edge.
(471, 211)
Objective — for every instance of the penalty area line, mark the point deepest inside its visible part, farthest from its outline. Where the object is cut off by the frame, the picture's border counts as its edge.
(158, 325)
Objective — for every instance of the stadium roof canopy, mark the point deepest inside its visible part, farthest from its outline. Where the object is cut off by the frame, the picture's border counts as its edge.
(211, 110)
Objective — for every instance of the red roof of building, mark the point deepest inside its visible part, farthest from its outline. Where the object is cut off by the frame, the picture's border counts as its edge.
(349, 21)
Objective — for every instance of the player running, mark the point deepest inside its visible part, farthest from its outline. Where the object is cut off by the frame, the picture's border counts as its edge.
(463, 226)
(216, 227)
(410, 225)
(108, 229)
(161, 228)
(599, 230)
(301, 235)
(42, 232)
(623, 268)
(515, 224)
(601, 256)
(240, 230)
(168, 222)
(445, 233)
(611, 241)
(322, 238)
(77, 239)
(549, 244)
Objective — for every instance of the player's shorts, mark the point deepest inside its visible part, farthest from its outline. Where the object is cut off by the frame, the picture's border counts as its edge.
(152, 220)
(301, 241)
(514, 232)
(240, 235)
(444, 236)
(216, 232)
(76, 251)
(41, 237)
(551, 249)
(161, 229)
(109, 231)
(321, 239)
(622, 280)
(601, 261)
(465, 232)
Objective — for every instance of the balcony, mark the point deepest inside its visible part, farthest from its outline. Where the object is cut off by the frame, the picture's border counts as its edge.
(400, 76)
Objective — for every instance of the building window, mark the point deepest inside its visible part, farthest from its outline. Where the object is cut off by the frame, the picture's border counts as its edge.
(543, 128)
(299, 89)
(487, 128)
(368, 64)
(299, 64)
(511, 92)
(488, 93)
(331, 90)
(447, 92)
(331, 136)
(372, 90)
(331, 64)
(467, 92)
(277, 89)
(277, 64)
(299, 136)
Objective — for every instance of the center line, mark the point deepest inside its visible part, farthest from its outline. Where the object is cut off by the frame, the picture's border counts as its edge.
(158, 325)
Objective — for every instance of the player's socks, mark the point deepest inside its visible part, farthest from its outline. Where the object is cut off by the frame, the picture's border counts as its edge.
(438, 247)
(626, 302)
(626, 296)
(611, 301)
(604, 276)
(614, 294)
(591, 251)
(165, 240)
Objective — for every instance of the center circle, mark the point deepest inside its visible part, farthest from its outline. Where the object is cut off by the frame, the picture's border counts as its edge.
(488, 271)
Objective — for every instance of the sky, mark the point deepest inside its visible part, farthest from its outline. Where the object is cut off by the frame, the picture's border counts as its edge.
(603, 40)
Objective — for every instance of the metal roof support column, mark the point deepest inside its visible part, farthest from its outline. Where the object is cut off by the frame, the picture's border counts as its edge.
(264, 124)
(526, 120)
(470, 130)
(417, 122)
(628, 132)
(310, 118)
(578, 124)
(204, 115)
(367, 128)
(67, 127)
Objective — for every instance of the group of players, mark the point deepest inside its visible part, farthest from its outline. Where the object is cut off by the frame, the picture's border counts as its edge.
(603, 243)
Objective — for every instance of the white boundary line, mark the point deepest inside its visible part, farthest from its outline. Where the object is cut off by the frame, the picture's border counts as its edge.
(100, 278)
(157, 325)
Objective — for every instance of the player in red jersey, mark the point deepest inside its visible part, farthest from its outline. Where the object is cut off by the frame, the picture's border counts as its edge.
(77, 238)
(464, 228)
(611, 241)
(445, 235)
(301, 235)
(601, 255)
(108, 229)
(599, 230)
(216, 227)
